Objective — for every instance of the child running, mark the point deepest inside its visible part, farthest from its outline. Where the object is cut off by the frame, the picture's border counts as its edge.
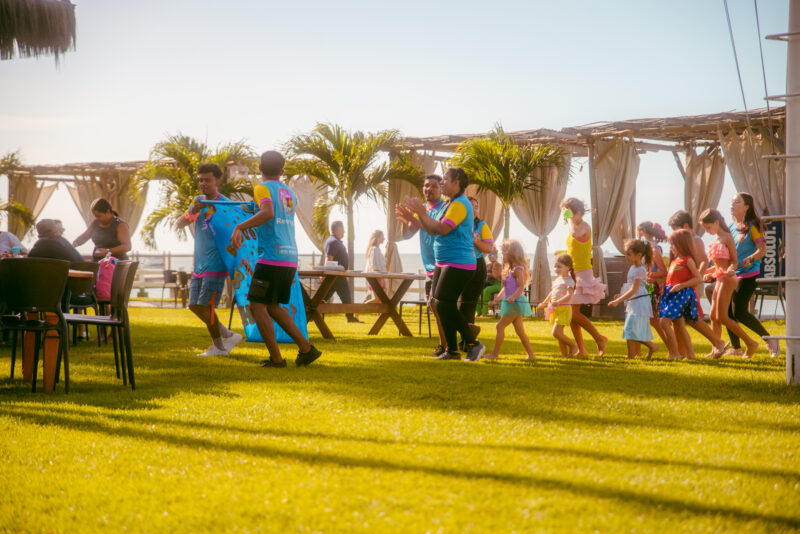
(723, 253)
(679, 302)
(588, 288)
(638, 308)
(514, 305)
(559, 310)
(653, 234)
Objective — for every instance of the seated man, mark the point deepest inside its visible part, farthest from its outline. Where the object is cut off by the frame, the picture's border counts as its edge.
(8, 241)
(51, 244)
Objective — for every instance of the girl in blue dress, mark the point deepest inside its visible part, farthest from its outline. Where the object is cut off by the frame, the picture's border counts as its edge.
(638, 309)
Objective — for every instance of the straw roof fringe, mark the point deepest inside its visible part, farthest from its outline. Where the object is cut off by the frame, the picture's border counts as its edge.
(33, 28)
(697, 130)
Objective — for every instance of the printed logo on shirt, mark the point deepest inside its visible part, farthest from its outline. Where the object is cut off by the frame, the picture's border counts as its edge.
(286, 200)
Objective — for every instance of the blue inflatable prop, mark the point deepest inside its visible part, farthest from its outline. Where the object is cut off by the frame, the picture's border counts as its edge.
(222, 216)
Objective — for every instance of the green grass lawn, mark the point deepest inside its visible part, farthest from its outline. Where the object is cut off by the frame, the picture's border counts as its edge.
(374, 437)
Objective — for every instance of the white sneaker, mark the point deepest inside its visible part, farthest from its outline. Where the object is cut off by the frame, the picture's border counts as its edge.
(231, 341)
(774, 347)
(214, 351)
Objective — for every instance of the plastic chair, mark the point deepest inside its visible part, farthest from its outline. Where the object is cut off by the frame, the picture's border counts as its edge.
(82, 295)
(117, 321)
(35, 285)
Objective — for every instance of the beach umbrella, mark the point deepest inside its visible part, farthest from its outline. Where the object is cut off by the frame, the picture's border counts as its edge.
(33, 28)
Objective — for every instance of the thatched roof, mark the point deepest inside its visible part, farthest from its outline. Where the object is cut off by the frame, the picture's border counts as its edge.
(33, 28)
(696, 129)
(79, 169)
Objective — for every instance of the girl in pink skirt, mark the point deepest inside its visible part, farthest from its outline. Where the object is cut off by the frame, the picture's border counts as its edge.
(588, 288)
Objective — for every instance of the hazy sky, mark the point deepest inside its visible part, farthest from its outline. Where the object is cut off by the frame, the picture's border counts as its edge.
(263, 71)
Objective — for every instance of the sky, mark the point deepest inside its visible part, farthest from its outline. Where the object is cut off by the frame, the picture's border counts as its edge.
(264, 71)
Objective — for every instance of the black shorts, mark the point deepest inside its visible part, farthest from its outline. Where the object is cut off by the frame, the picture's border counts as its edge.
(271, 284)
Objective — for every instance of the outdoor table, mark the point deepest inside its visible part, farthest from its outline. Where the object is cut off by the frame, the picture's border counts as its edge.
(386, 307)
(50, 345)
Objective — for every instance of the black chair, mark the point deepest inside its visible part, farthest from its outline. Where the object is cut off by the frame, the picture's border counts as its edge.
(117, 321)
(170, 282)
(422, 305)
(770, 289)
(35, 286)
(183, 286)
(81, 294)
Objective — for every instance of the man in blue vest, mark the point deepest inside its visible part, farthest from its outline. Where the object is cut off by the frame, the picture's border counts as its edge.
(209, 273)
(273, 276)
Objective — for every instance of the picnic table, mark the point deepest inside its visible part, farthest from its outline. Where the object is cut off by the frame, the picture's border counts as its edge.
(386, 307)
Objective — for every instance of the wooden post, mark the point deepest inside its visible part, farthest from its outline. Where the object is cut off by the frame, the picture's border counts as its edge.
(793, 195)
(593, 199)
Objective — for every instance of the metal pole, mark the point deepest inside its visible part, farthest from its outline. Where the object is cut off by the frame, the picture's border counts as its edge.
(793, 197)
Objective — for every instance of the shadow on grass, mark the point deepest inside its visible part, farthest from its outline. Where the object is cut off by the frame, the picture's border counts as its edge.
(594, 490)
(389, 372)
(76, 413)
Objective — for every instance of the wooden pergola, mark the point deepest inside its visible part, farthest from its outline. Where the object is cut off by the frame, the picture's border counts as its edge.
(650, 134)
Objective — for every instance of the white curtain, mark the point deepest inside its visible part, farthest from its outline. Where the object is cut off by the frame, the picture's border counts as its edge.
(397, 191)
(307, 194)
(539, 212)
(614, 165)
(703, 177)
(491, 209)
(24, 190)
(765, 179)
(116, 187)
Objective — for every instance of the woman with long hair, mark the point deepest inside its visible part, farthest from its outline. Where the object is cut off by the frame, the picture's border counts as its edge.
(376, 262)
(748, 235)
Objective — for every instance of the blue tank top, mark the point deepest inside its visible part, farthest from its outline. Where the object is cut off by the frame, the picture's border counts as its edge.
(745, 246)
(456, 249)
(426, 239)
(207, 259)
(276, 243)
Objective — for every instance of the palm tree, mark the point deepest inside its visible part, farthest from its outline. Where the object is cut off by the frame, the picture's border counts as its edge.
(174, 161)
(497, 164)
(349, 164)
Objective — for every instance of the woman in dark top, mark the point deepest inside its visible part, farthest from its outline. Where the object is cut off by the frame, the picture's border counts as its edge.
(108, 232)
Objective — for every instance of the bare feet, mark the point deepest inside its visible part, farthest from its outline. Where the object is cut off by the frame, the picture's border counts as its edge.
(531, 357)
(601, 346)
(573, 351)
(735, 352)
(751, 350)
(491, 356)
(719, 351)
(674, 356)
(651, 350)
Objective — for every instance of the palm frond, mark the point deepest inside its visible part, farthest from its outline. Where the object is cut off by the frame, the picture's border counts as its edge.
(10, 162)
(497, 164)
(18, 211)
(322, 211)
(174, 162)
